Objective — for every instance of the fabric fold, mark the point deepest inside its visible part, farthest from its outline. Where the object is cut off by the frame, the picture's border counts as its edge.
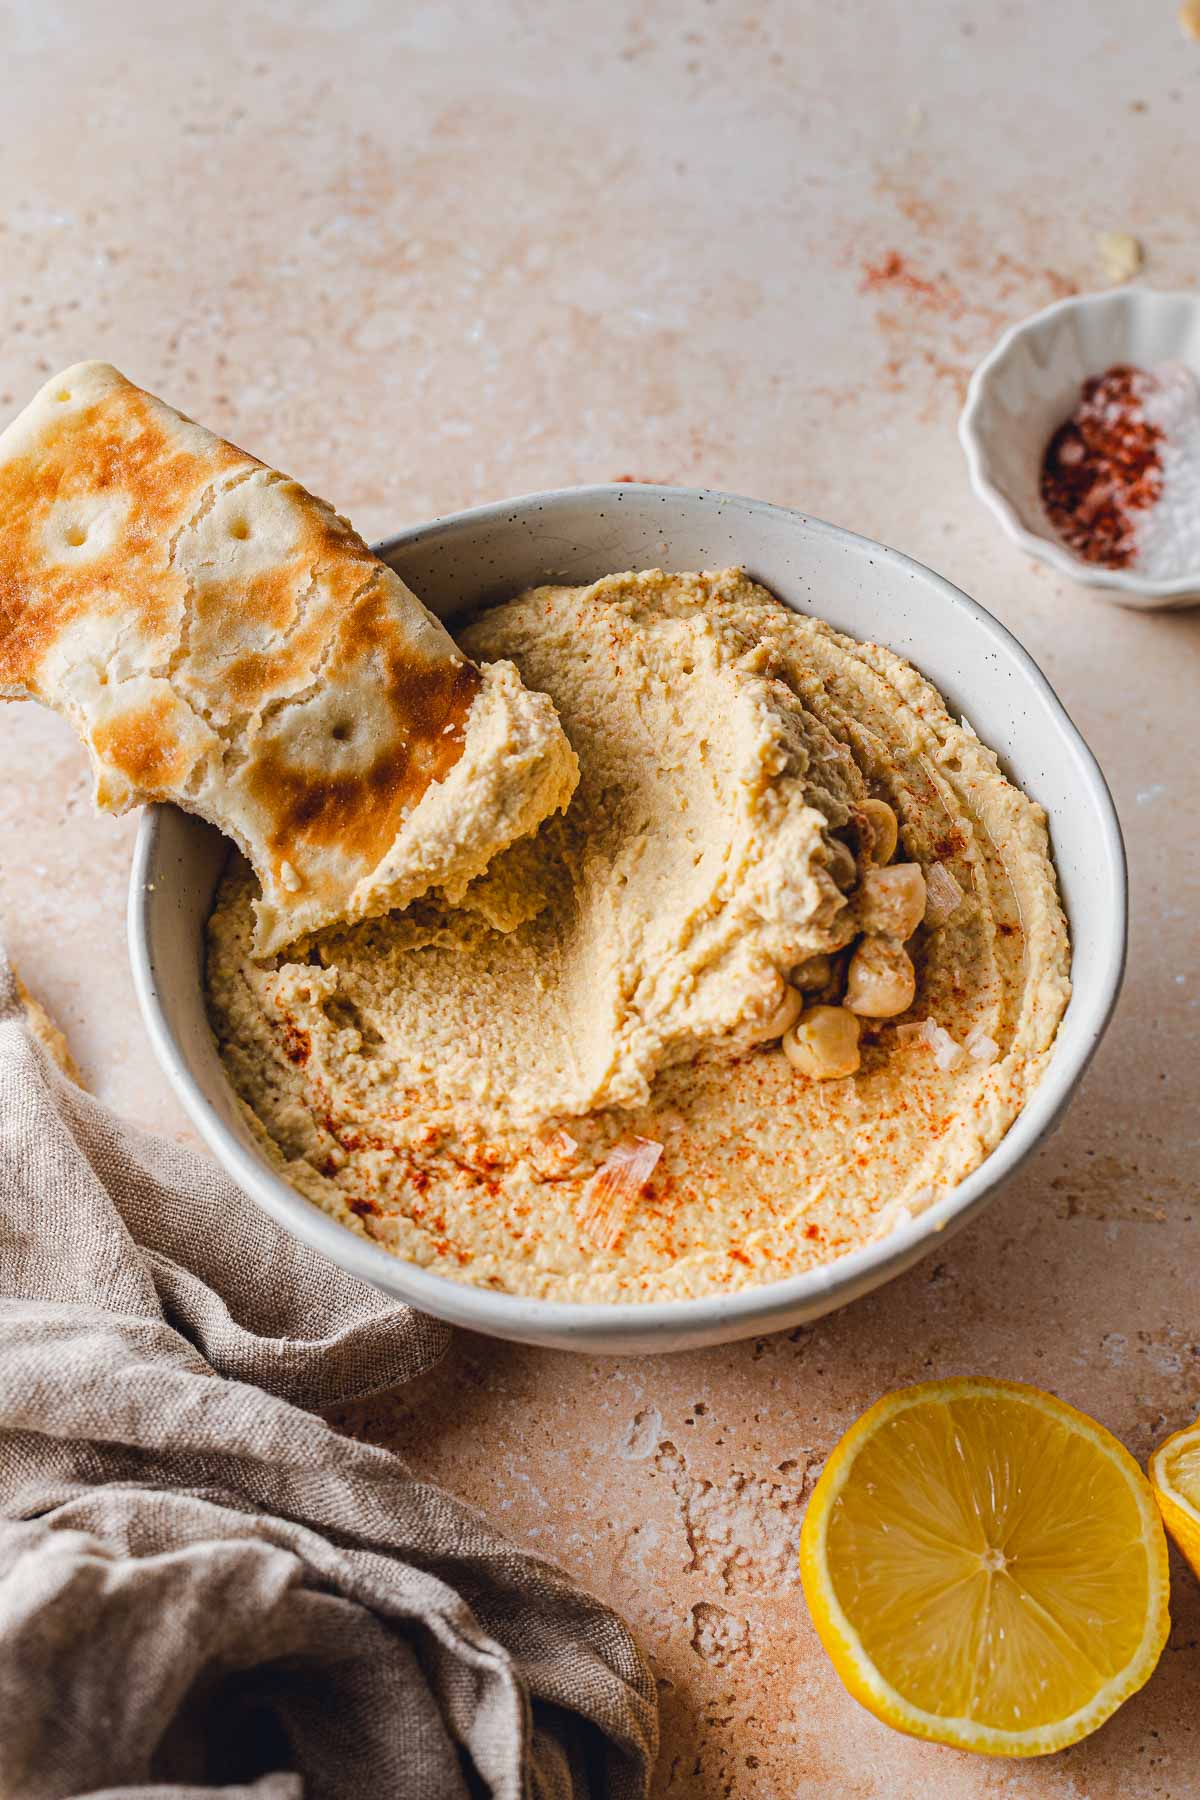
(203, 1587)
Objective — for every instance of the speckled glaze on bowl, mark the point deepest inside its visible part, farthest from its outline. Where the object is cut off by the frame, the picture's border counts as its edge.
(576, 535)
(1022, 392)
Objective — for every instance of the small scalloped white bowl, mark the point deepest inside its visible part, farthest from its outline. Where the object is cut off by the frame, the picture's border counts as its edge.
(1028, 385)
(460, 563)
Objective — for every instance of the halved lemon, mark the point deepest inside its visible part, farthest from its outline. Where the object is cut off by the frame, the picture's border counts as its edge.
(1175, 1478)
(986, 1567)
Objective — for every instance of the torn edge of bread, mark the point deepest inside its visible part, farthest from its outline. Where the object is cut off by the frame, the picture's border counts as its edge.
(222, 639)
(517, 767)
(51, 1037)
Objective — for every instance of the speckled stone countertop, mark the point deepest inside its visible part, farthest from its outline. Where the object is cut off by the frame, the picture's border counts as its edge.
(421, 257)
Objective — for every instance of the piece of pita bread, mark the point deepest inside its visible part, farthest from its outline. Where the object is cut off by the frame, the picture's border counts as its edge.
(47, 1033)
(221, 638)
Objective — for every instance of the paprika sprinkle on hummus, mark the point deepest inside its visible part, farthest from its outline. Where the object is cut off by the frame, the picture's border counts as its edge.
(789, 965)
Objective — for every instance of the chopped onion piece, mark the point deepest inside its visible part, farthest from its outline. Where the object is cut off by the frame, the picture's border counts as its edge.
(943, 896)
(608, 1199)
(915, 1028)
(565, 1144)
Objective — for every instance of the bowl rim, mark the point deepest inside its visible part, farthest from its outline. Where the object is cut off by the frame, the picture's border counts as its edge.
(975, 447)
(636, 1325)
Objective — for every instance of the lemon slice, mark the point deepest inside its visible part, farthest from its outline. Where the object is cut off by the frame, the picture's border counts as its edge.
(1175, 1477)
(986, 1567)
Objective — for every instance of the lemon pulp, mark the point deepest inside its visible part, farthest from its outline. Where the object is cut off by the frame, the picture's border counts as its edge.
(986, 1566)
(1175, 1474)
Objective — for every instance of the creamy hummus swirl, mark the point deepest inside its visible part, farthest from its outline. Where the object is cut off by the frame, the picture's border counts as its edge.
(449, 1080)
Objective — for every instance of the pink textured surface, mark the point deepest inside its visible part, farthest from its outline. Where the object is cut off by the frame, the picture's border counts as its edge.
(424, 257)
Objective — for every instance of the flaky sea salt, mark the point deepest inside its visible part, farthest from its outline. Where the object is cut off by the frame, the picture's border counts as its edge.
(607, 1201)
(1167, 534)
(1120, 480)
(980, 1046)
(947, 1051)
(943, 896)
(898, 1213)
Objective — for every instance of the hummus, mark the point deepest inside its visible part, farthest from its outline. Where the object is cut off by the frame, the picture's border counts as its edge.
(459, 1084)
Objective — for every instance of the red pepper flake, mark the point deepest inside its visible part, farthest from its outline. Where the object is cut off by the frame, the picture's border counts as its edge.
(1102, 467)
(949, 845)
(341, 1134)
(297, 1043)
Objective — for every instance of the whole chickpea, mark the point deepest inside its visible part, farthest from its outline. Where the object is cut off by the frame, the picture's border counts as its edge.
(823, 1043)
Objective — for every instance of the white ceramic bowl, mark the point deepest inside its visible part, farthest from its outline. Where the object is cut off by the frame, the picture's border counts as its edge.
(1030, 384)
(575, 536)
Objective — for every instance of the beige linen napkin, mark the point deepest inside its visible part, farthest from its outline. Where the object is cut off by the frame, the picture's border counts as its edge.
(203, 1588)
